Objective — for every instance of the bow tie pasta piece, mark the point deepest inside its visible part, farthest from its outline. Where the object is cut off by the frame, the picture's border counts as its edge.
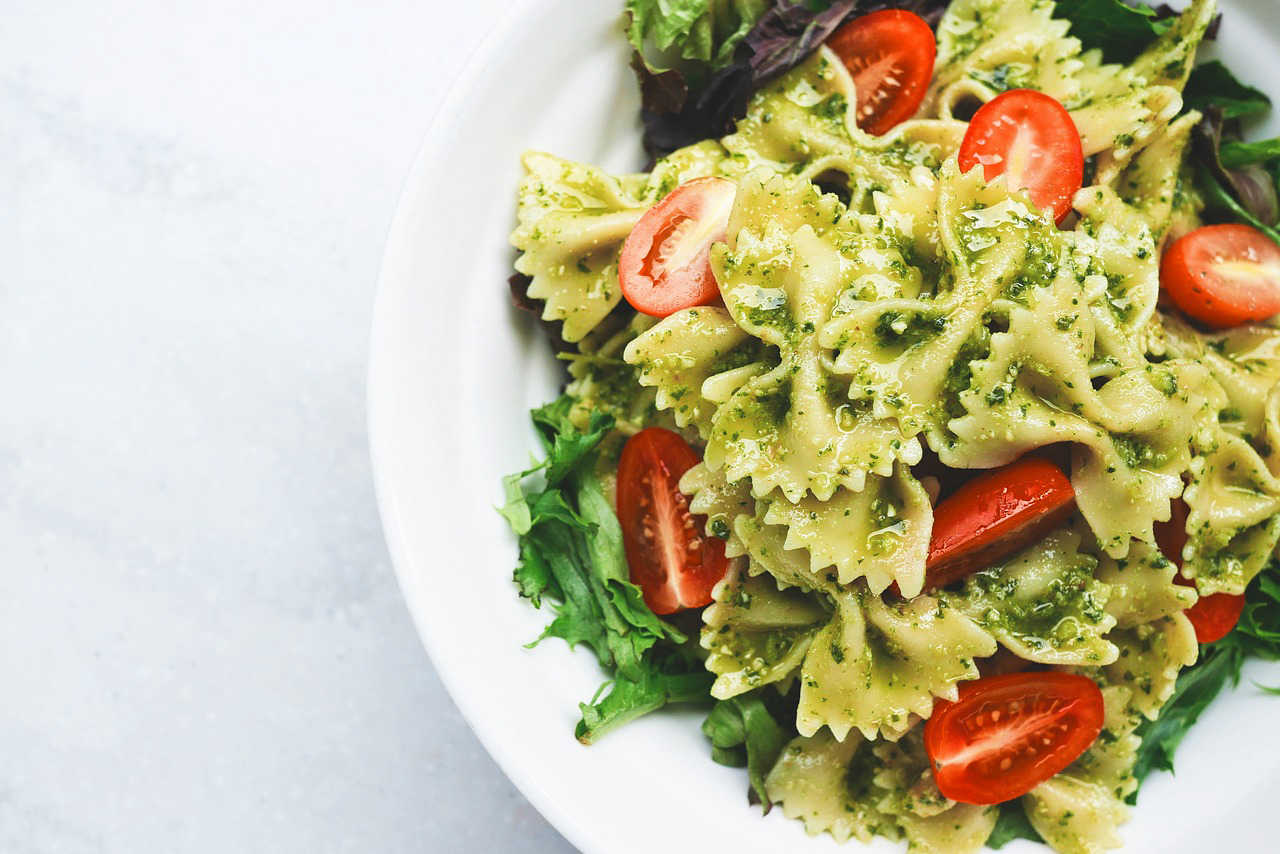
(794, 429)
(756, 634)
(877, 667)
(853, 789)
(880, 533)
(1115, 125)
(1234, 493)
(803, 124)
(871, 665)
(1142, 586)
(572, 220)
(602, 382)
(1123, 111)
(695, 359)
(906, 352)
(1116, 251)
(1132, 435)
(1151, 655)
(1234, 519)
(930, 822)
(1044, 604)
(1245, 361)
(1153, 190)
(986, 47)
(829, 786)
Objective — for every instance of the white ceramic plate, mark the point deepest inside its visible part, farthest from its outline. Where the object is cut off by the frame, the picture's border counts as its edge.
(454, 370)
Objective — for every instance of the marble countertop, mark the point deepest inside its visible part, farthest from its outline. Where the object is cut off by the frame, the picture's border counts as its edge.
(202, 645)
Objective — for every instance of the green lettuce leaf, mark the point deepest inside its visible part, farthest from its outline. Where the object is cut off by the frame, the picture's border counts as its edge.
(699, 31)
(1012, 824)
(571, 552)
(665, 676)
(745, 733)
(571, 547)
(1211, 84)
(1119, 30)
(1235, 154)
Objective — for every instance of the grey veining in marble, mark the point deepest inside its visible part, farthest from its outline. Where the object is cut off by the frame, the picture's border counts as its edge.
(202, 647)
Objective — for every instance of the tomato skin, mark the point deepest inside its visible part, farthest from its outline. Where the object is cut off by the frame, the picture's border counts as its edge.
(1031, 139)
(665, 263)
(1213, 617)
(670, 558)
(890, 55)
(1223, 275)
(996, 514)
(988, 746)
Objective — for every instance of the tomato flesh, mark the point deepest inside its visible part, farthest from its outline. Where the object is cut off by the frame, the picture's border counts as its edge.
(670, 558)
(1213, 617)
(995, 515)
(1030, 138)
(1223, 275)
(890, 56)
(1005, 735)
(665, 264)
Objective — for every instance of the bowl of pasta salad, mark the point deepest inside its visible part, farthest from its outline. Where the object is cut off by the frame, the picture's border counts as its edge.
(815, 424)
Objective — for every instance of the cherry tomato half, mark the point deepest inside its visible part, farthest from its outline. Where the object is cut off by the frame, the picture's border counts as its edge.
(890, 56)
(996, 514)
(1223, 275)
(666, 259)
(1213, 617)
(674, 563)
(1005, 735)
(1030, 138)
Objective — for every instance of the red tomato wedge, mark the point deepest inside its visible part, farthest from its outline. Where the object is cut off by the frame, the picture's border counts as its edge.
(1029, 138)
(995, 515)
(1223, 275)
(674, 563)
(666, 259)
(1005, 735)
(1213, 617)
(890, 56)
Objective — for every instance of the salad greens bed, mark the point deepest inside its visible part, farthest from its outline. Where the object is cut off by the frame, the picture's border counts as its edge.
(697, 62)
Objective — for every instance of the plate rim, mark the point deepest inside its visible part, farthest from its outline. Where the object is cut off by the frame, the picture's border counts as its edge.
(562, 820)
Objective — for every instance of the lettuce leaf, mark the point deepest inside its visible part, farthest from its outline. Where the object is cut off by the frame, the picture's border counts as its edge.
(1011, 824)
(746, 733)
(665, 676)
(1235, 154)
(1211, 84)
(571, 551)
(698, 31)
(1121, 31)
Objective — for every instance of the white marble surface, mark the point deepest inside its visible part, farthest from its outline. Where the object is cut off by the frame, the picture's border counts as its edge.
(202, 646)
